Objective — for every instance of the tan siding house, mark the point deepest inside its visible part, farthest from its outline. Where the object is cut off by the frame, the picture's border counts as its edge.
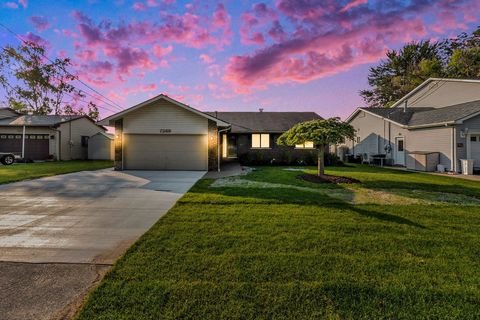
(53, 137)
(165, 134)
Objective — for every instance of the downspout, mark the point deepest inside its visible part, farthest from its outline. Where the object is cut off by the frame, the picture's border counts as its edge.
(454, 149)
(70, 141)
(218, 147)
(58, 145)
(23, 144)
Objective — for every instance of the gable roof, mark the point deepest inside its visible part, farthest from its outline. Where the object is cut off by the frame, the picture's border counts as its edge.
(424, 85)
(38, 120)
(106, 135)
(8, 112)
(425, 117)
(162, 96)
(248, 122)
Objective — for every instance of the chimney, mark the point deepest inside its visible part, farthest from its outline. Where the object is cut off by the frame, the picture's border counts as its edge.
(216, 114)
(260, 109)
(405, 106)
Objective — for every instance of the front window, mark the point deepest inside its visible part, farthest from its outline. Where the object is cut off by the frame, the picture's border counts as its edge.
(260, 140)
(400, 146)
(306, 145)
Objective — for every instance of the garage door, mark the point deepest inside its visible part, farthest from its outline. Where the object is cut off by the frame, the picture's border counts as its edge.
(36, 145)
(165, 152)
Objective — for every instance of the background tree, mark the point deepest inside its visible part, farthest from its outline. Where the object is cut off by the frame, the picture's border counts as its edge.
(34, 84)
(408, 67)
(321, 132)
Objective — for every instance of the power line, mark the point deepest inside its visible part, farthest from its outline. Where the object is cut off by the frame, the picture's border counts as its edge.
(429, 92)
(79, 98)
(67, 72)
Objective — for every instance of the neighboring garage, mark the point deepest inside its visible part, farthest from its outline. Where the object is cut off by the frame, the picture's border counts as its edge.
(164, 134)
(54, 137)
(36, 145)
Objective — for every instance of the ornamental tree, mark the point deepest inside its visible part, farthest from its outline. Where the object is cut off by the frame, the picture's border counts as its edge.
(321, 132)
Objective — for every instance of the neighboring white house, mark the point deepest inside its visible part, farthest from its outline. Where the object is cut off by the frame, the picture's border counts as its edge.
(56, 137)
(440, 115)
(101, 146)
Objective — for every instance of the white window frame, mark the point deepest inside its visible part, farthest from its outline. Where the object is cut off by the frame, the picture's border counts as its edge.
(264, 141)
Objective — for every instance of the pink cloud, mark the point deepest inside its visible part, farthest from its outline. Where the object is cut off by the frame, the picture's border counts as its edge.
(138, 6)
(206, 58)
(40, 23)
(160, 51)
(86, 55)
(23, 3)
(353, 4)
(31, 37)
(326, 39)
(253, 22)
(140, 89)
(128, 58)
(11, 5)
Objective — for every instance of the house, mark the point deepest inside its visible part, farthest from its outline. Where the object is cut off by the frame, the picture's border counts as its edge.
(57, 137)
(439, 117)
(101, 146)
(165, 134)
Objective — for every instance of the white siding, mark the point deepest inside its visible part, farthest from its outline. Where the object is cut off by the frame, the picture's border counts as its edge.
(375, 133)
(100, 148)
(445, 94)
(470, 126)
(162, 115)
(437, 139)
(73, 131)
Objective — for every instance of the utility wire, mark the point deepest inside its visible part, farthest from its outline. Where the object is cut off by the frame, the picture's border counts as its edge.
(429, 92)
(67, 72)
(74, 98)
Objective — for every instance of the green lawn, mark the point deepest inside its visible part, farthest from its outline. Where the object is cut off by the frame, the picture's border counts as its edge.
(24, 171)
(269, 246)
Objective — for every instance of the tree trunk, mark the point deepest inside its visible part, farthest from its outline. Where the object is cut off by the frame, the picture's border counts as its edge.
(320, 161)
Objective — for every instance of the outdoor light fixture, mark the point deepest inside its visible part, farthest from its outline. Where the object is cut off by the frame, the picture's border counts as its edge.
(463, 133)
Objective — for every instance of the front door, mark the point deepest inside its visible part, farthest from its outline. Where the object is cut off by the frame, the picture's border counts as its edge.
(400, 151)
(231, 146)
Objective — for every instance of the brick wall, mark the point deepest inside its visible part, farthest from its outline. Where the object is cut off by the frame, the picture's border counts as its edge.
(212, 145)
(118, 144)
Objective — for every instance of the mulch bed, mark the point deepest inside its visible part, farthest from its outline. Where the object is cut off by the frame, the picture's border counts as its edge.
(326, 178)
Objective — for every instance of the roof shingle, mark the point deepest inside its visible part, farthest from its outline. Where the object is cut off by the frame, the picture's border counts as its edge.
(248, 122)
(426, 116)
(37, 120)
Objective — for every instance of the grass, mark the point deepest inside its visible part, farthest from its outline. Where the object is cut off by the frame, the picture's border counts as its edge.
(25, 171)
(294, 252)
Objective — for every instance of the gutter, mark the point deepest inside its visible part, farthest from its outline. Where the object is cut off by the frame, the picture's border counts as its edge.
(437, 124)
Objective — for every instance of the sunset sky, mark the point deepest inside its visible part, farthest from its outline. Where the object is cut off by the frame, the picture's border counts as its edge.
(237, 55)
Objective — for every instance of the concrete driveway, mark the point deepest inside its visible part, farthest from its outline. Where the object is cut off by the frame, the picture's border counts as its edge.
(58, 235)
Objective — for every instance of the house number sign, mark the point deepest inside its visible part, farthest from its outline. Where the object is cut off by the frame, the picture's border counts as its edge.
(165, 130)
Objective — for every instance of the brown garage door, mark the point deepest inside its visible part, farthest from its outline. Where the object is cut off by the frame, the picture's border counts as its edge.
(165, 152)
(36, 145)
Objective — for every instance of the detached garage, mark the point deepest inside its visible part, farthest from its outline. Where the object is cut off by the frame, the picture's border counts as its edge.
(164, 134)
